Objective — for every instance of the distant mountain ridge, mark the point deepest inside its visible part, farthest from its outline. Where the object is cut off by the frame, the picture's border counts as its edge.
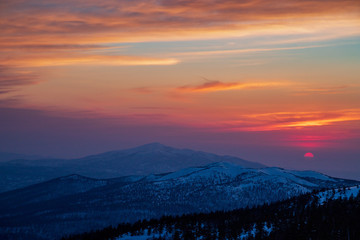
(143, 160)
(76, 204)
(153, 158)
(329, 214)
(8, 156)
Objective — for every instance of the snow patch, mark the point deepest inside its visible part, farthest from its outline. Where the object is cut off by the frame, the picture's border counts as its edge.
(333, 194)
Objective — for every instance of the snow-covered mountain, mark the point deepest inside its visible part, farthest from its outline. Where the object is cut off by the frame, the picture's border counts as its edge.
(328, 214)
(334, 194)
(90, 203)
(147, 159)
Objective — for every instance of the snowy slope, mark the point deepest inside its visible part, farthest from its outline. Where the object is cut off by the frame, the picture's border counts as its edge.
(223, 170)
(75, 203)
(149, 159)
(45, 191)
(143, 160)
(333, 194)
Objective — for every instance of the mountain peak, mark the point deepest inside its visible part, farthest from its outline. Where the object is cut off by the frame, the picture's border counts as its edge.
(225, 165)
(153, 158)
(73, 177)
(153, 146)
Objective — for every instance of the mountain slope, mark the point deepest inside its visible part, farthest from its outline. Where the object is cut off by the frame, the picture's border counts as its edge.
(148, 159)
(217, 186)
(143, 160)
(335, 215)
(45, 191)
(6, 156)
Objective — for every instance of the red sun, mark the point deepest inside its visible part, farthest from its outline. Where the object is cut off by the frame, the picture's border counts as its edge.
(309, 155)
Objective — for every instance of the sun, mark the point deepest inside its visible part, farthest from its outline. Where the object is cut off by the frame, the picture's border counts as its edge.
(308, 155)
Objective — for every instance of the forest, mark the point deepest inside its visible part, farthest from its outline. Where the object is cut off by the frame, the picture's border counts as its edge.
(298, 218)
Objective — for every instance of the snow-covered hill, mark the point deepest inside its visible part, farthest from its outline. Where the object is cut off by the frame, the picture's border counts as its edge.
(84, 203)
(333, 194)
(143, 160)
(335, 210)
(149, 159)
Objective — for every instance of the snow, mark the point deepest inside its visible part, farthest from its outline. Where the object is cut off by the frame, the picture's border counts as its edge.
(338, 193)
(312, 174)
(225, 169)
(221, 172)
(140, 237)
(286, 174)
(144, 236)
(267, 229)
(246, 234)
(208, 171)
(182, 173)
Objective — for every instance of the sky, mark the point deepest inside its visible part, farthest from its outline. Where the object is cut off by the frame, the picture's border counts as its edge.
(265, 80)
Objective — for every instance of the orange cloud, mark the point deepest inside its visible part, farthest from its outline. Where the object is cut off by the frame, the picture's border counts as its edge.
(28, 27)
(54, 60)
(108, 21)
(247, 50)
(292, 120)
(212, 86)
(11, 79)
(329, 90)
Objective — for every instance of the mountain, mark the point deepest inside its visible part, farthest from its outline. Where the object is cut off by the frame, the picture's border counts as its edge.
(6, 156)
(77, 204)
(147, 159)
(330, 214)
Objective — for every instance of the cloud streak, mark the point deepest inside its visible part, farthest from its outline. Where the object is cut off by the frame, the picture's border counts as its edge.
(323, 90)
(111, 21)
(291, 120)
(29, 27)
(56, 60)
(11, 79)
(214, 86)
(244, 51)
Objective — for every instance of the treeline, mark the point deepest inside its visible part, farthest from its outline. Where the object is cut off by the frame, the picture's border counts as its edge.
(298, 218)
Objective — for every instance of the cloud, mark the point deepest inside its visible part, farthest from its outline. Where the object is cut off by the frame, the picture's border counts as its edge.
(143, 90)
(291, 120)
(243, 51)
(52, 47)
(323, 90)
(79, 27)
(78, 59)
(151, 108)
(11, 79)
(108, 21)
(213, 86)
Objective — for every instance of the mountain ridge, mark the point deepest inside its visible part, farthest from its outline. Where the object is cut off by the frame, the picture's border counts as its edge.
(102, 202)
(142, 160)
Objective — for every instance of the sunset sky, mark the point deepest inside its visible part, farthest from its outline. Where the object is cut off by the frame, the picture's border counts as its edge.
(264, 80)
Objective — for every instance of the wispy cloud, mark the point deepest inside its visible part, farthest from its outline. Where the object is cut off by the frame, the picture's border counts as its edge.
(76, 59)
(322, 90)
(143, 90)
(29, 28)
(213, 86)
(52, 47)
(152, 16)
(243, 51)
(291, 120)
(108, 21)
(11, 79)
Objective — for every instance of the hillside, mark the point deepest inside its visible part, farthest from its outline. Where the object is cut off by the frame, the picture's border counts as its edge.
(143, 160)
(331, 214)
(77, 204)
